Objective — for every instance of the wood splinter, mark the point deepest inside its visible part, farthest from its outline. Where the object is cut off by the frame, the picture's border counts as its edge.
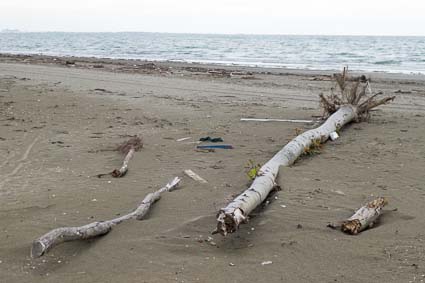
(365, 217)
(65, 234)
(128, 148)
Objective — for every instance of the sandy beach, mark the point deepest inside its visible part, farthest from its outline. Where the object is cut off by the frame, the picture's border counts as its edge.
(60, 118)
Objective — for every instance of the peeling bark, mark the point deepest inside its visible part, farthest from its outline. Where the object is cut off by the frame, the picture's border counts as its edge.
(65, 234)
(365, 217)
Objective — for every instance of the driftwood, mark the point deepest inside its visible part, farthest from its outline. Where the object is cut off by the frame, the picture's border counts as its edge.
(365, 217)
(352, 104)
(195, 176)
(128, 148)
(65, 234)
(276, 120)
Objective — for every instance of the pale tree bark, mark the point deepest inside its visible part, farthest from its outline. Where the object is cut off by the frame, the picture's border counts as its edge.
(343, 109)
(365, 217)
(65, 234)
(124, 168)
(128, 148)
(195, 176)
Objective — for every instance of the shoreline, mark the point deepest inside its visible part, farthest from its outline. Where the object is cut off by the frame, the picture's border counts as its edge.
(187, 65)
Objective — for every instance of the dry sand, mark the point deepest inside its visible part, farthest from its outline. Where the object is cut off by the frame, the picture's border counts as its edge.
(56, 129)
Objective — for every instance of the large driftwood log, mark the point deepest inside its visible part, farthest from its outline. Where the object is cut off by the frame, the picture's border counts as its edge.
(128, 148)
(344, 108)
(65, 234)
(365, 217)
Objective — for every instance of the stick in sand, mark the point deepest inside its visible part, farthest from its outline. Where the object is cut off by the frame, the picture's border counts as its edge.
(195, 176)
(95, 229)
(128, 148)
(276, 120)
(364, 218)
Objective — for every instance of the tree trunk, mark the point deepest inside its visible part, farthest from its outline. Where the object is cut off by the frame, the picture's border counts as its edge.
(64, 234)
(236, 212)
(351, 104)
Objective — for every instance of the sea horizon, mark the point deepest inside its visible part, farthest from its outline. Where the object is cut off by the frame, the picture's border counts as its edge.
(384, 53)
(12, 30)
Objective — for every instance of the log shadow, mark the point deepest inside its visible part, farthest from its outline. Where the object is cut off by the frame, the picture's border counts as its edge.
(392, 216)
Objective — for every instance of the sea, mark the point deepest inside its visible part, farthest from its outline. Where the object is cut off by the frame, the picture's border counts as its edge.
(394, 54)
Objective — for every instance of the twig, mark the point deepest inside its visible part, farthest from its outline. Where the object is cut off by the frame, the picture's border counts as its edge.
(128, 148)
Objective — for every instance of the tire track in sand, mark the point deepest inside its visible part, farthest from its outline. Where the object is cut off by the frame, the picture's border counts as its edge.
(21, 162)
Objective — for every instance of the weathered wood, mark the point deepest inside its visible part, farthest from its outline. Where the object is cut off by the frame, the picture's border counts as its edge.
(236, 212)
(124, 168)
(365, 217)
(340, 111)
(276, 120)
(195, 176)
(128, 148)
(65, 234)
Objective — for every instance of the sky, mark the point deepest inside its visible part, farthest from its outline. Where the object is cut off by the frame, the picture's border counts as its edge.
(324, 17)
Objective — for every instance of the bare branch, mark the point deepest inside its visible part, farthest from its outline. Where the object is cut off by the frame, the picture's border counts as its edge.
(95, 229)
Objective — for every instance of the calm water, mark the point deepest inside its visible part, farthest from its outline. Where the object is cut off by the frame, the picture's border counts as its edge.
(370, 53)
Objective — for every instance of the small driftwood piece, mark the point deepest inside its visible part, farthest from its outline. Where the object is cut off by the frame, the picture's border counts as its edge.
(65, 234)
(364, 218)
(128, 148)
(351, 104)
(275, 120)
(195, 176)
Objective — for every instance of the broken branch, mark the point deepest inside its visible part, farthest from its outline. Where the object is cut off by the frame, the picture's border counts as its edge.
(65, 234)
(365, 217)
(128, 148)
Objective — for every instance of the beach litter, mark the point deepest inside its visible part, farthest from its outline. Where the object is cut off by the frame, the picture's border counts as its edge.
(210, 139)
(195, 176)
(276, 120)
(334, 136)
(221, 146)
(183, 139)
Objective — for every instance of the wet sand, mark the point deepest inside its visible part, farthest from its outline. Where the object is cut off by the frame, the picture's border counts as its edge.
(59, 122)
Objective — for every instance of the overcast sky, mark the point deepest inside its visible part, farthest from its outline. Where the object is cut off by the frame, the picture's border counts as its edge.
(358, 17)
